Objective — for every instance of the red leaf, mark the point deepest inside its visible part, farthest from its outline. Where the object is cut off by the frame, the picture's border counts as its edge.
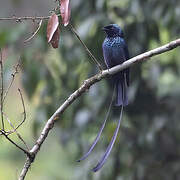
(55, 39)
(65, 11)
(52, 26)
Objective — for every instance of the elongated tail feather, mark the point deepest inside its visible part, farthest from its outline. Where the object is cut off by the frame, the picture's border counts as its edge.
(110, 146)
(99, 133)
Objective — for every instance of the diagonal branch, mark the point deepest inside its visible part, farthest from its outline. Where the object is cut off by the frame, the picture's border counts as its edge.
(84, 87)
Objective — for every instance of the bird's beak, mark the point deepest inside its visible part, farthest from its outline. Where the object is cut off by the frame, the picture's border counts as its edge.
(107, 28)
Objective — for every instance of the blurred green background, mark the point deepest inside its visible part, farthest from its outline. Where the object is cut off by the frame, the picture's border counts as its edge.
(148, 145)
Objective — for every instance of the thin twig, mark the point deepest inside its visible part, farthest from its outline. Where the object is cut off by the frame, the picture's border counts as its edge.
(3, 97)
(24, 18)
(24, 110)
(24, 113)
(2, 89)
(15, 130)
(86, 85)
(20, 19)
(86, 48)
(31, 37)
(10, 140)
(12, 80)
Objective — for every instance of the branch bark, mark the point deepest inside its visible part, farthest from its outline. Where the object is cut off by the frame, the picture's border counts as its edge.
(84, 87)
(24, 18)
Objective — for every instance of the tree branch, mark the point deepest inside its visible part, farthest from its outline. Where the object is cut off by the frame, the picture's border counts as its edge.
(84, 87)
(24, 18)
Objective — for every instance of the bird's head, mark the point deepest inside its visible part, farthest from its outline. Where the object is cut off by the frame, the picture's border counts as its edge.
(113, 30)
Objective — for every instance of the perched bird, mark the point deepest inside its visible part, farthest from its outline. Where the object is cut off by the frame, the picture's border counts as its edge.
(115, 52)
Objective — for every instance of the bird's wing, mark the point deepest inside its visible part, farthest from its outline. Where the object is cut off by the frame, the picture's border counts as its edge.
(113, 54)
(116, 52)
(127, 70)
(126, 51)
(120, 54)
(107, 53)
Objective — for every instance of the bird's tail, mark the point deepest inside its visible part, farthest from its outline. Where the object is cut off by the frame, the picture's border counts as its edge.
(121, 93)
(100, 131)
(110, 146)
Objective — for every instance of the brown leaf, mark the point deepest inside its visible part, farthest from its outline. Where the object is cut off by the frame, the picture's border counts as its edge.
(55, 39)
(52, 26)
(65, 11)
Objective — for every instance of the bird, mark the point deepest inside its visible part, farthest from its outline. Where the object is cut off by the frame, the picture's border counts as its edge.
(115, 52)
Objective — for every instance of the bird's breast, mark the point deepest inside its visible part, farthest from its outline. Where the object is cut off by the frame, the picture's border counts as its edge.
(113, 51)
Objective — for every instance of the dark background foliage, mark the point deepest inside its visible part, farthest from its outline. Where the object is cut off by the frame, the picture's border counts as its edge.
(148, 143)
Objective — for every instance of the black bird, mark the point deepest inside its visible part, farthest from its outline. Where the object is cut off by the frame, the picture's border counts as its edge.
(115, 52)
